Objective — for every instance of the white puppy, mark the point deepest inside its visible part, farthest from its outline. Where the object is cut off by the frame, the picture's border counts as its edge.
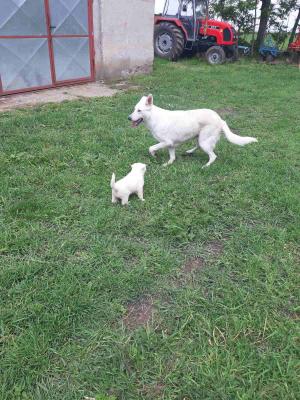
(131, 183)
(171, 128)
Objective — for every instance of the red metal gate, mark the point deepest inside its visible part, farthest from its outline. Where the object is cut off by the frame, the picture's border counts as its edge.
(45, 43)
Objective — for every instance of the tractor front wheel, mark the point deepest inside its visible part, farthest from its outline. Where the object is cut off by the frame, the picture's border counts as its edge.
(168, 41)
(232, 54)
(215, 55)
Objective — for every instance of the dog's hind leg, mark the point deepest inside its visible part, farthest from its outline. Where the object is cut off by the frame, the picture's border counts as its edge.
(207, 141)
(212, 157)
(192, 150)
(172, 156)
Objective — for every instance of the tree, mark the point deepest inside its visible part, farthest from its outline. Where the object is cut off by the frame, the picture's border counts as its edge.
(295, 27)
(253, 28)
(273, 17)
(239, 12)
(278, 20)
(263, 23)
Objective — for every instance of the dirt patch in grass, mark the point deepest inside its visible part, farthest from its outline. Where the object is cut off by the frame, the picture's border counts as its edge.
(124, 85)
(193, 264)
(189, 268)
(227, 111)
(215, 248)
(212, 250)
(152, 391)
(293, 315)
(139, 313)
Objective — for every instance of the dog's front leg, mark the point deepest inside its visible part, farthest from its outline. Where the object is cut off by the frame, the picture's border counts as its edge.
(172, 156)
(124, 200)
(140, 194)
(153, 149)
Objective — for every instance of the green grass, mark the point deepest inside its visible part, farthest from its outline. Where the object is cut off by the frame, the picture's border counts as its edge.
(71, 262)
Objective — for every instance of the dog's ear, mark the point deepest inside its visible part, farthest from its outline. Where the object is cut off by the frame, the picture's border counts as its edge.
(149, 100)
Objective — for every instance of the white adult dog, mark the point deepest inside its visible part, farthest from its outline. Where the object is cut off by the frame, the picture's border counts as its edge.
(171, 128)
(131, 183)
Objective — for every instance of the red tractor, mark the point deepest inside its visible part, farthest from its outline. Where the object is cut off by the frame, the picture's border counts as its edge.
(184, 25)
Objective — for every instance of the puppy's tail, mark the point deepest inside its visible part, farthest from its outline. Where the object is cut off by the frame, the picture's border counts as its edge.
(236, 139)
(113, 180)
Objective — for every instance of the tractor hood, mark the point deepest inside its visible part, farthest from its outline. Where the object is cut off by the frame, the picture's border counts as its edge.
(224, 32)
(213, 23)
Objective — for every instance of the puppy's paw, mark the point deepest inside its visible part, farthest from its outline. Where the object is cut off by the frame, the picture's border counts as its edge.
(152, 152)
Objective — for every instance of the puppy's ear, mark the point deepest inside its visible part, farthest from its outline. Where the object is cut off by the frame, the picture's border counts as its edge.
(149, 100)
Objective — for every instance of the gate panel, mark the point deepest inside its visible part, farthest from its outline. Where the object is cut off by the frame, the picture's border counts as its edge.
(70, 38)
(71, 58)
(22, 18)
(69, 17)
(24, 63)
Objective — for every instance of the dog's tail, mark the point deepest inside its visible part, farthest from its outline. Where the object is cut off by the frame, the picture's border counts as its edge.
(113, 180)
(236, 139)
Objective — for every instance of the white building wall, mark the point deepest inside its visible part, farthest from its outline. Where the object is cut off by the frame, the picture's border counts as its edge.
(123, 31)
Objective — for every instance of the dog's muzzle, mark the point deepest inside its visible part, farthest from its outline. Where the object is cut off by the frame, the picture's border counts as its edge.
(136, 123)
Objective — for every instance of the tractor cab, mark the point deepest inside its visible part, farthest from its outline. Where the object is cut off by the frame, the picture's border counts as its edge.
(188, 12)
(184, 24)
(191, 12)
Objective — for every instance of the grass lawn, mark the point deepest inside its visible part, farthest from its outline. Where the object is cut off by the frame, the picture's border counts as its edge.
(191, 295)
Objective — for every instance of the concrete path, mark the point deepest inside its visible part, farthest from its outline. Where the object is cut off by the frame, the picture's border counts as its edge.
(57, 95)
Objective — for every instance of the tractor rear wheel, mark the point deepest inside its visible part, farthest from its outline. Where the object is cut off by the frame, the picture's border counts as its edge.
(215, 55)
(168, 41)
